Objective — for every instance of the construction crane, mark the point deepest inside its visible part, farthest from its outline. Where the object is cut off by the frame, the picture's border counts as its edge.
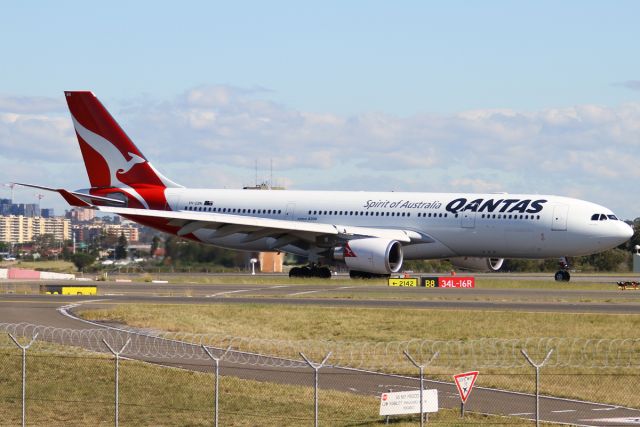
(40, 196)
(12, 186)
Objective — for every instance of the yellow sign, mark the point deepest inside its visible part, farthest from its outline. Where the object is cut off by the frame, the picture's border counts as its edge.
(68, 290)
(412, 282)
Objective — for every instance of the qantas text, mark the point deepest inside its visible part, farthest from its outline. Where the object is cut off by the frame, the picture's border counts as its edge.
(496, 205)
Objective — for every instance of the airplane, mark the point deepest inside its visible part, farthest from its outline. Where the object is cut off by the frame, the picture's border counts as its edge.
(371, 233)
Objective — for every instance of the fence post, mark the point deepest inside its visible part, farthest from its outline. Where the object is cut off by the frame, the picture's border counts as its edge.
(421, 368)
(24, 374)
(216, 360)
(117, 380)
(524, 353)
(316, 367)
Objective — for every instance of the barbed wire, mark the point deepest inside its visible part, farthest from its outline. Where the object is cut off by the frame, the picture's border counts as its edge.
(384, 356)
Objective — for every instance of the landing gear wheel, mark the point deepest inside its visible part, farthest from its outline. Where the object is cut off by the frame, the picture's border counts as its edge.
(324, 273)
(562, 276)
(310, 271)
(295, 272)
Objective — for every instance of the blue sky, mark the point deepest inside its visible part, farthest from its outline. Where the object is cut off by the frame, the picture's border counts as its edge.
(522, 96)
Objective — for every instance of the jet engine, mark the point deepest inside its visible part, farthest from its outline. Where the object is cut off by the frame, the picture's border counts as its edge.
(371, 255)
(477, 264)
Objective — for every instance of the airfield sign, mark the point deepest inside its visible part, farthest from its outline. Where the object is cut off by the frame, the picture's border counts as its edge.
(408, 402)
(465, 383)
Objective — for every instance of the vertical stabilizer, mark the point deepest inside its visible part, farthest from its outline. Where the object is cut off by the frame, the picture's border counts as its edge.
(112, 160)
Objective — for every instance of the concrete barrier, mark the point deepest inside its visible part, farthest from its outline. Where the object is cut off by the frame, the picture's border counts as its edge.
(48, 275)
(21, 273)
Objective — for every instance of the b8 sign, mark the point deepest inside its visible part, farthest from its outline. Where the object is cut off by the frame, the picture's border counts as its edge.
(448, 282)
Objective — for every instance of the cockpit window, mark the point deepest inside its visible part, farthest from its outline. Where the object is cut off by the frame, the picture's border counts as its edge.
(603, 217)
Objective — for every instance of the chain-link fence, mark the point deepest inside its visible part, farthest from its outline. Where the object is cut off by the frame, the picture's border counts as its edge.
(71, 377)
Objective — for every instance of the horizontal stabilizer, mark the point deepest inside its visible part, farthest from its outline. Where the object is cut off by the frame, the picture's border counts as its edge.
(75, 198)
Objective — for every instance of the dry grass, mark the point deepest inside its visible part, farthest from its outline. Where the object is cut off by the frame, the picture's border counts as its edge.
(289, 322)
(350, 324)
(55, 266)
(78, 390)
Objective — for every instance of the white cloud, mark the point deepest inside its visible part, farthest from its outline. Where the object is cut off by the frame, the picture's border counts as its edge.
(211, 136)
(30, 104)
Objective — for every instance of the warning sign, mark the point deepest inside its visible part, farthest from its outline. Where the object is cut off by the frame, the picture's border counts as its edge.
(408, 402)
(465, 383)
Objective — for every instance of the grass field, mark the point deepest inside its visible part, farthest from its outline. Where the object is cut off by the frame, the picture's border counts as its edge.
(54, 266)
(287, 322)
(297, 325)
(79, 390)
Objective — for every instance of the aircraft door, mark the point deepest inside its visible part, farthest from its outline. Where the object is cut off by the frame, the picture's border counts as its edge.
(468, 219)
(559, 222)
(289, 212)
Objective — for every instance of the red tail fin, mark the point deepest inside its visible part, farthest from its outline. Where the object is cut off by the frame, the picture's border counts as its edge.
(112, 160)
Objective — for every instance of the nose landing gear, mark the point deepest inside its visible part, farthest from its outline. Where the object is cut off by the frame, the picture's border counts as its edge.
(563, 274)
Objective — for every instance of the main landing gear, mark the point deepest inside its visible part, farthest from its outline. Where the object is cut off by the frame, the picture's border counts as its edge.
(563, 275)
(310, 271)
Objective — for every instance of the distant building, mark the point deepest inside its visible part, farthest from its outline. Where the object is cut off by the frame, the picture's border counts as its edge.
(5, 207)
(271, 262)
(130, 232)
(47, 213)
(81, 215)
(22, 229)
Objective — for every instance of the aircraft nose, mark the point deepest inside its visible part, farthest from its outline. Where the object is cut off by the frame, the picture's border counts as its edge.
(626, 231)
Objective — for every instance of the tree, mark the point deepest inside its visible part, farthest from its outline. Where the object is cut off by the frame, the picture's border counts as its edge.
(121, 247)
(155, 244)
(81, 260)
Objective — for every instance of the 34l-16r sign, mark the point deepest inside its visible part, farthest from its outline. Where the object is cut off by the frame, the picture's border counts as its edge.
(448, 282)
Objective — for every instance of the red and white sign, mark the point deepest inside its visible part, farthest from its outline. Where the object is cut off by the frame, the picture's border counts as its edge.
(456, 282)
(465, 383)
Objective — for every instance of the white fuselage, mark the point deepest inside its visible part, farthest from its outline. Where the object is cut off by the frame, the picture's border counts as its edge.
(454, 224)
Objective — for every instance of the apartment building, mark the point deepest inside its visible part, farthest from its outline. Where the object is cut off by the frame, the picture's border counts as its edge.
(22, 229)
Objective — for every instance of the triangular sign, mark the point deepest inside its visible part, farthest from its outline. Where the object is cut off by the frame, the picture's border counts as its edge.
(465, 383)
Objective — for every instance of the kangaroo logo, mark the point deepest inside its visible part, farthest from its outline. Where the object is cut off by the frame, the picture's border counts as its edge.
(116, 162)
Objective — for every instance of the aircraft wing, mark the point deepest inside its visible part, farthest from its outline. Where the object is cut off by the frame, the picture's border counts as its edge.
(255, 228)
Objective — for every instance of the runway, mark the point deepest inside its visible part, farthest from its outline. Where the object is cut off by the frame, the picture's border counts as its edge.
(543, 299)
(44, 310)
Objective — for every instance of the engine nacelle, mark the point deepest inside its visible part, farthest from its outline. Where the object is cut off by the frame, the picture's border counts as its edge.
(477, 264)
(372, 255)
